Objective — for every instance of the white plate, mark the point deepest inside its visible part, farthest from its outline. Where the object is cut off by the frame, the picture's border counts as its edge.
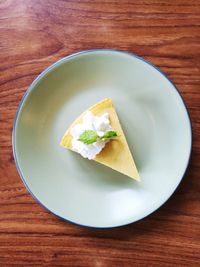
(155, 121)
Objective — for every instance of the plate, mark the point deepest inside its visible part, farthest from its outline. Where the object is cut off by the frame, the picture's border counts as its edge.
(153, 116)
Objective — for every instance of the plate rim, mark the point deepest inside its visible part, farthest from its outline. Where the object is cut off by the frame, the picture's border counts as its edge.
(41, 75)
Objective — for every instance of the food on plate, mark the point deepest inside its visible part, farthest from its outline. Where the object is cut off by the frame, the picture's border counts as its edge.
(97, 135)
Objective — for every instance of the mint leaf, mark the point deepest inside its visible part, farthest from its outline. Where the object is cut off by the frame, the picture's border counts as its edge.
(108, 135)
(88, 137)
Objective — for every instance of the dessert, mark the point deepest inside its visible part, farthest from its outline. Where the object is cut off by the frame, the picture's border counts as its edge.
(97, 135)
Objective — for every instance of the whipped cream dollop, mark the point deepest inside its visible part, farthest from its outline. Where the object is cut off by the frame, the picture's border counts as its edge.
(99, 124)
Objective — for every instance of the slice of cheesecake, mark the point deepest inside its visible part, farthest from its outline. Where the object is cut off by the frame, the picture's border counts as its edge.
(116, 154)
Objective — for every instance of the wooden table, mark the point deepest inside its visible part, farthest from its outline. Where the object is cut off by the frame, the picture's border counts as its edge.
(36, 33)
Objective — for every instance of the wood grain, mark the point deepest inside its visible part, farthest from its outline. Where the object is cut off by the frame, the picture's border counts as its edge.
(35, 33)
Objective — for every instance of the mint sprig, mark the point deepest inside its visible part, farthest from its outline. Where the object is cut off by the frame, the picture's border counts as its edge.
(89, 136)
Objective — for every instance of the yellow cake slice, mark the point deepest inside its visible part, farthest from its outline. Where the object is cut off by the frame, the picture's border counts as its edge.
(116, 153)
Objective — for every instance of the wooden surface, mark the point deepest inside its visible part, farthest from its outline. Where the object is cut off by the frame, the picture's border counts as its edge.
(34, 34)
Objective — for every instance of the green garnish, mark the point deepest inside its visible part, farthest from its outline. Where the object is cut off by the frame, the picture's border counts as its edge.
(89, 136)
(108, 135)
